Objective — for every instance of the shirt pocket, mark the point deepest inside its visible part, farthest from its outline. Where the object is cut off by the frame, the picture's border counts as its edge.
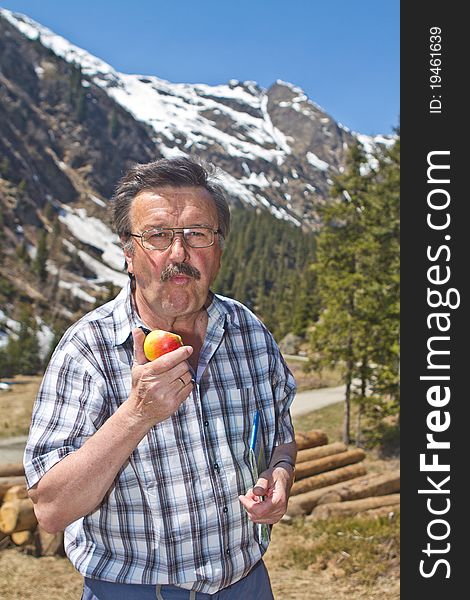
(233, 424)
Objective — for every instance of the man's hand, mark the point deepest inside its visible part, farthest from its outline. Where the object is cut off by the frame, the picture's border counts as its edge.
(159, 386)
(274, 485)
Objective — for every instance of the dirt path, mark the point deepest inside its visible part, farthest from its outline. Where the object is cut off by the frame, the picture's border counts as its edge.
(311, 400)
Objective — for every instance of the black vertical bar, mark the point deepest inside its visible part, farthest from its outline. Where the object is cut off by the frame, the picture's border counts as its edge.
(434, 131)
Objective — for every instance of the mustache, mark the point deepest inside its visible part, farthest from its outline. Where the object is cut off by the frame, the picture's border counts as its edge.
(179, 269)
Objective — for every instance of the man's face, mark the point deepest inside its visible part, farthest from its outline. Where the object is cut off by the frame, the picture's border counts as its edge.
(180, 294)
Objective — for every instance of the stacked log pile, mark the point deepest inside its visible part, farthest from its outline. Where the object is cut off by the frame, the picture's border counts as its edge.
(331, 480)
(18, 523)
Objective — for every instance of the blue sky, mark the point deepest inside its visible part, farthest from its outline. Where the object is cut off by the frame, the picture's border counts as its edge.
(344, 54)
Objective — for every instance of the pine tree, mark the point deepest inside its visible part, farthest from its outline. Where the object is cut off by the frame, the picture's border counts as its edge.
(5, 167)
(22, 352)
(342, 247)
(40, 260)
(357, 280)
(22, 252)
(113, 125)
(2, 236)
(81, 106)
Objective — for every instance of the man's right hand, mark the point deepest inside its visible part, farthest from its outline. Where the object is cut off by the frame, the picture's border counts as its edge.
(157, 386)
(77, 484)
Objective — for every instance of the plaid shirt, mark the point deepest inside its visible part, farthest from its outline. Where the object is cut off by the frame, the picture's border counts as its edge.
(173, 514)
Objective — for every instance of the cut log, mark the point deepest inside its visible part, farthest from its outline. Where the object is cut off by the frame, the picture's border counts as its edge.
(352, 507)
(320, 451)
(49, 544)
(11, 469)
(5, 540)
(383, 511)
(15, 492)
(7, 482)
(17, 515)
(22, 538)
(328, 463)
(378, 484)
(329, 478)
(310, 439)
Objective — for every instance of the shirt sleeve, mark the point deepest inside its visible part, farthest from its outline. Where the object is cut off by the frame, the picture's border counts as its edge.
(284, 393)
(69, 408)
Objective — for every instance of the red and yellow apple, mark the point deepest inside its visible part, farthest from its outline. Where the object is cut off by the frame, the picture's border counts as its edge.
(159, 342)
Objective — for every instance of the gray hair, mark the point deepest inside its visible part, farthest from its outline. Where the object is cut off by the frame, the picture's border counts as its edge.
(172, 172)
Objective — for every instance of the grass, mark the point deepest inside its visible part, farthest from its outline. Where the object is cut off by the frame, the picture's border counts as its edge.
(341, 558)
(329, 419)
(361, 546)
(16, 405)
(23, 577)
(312, 380)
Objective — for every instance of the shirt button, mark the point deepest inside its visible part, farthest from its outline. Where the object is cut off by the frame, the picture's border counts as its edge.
(227, 551)
(216, 467)
(206, 423)
(225, 509)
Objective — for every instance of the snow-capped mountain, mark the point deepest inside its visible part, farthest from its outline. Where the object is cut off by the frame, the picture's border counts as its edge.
(70, 125)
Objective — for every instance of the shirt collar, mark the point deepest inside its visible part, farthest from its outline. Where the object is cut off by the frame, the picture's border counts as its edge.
(126, 317)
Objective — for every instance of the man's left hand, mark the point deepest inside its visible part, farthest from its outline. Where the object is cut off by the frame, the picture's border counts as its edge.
(267, 501)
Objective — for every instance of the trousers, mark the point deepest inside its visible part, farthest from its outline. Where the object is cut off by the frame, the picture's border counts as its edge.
(255, 586)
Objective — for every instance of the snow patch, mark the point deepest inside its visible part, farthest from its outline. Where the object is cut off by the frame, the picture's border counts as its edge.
(258, 179)
(317, 162)
(94, 232)
(97, 201)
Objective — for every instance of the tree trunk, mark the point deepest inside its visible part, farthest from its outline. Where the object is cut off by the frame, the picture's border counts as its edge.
(15, 492)
(360, 412)
(320, 451)
(22, 538)
(371, 485)
(354, 489)
(310, 439)
(358, 423)
(328, 478)
(7, 482)
(328, 463)
(389, 511)
(17, 515)
(11, 469)
(347, 399)
(343, 509)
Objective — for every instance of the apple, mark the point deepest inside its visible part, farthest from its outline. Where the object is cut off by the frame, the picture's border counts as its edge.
(159, 342)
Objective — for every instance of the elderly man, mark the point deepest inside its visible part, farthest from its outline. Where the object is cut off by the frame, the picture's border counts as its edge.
(146, 464)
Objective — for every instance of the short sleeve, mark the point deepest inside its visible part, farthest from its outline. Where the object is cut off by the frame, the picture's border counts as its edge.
(69, 408)
(284, 393)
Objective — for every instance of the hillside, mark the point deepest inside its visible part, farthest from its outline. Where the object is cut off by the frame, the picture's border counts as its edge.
(70, 125)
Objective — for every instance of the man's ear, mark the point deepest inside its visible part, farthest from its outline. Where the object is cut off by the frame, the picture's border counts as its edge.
(128, 255)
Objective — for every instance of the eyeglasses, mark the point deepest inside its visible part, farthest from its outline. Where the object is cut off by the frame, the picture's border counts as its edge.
(162, 238)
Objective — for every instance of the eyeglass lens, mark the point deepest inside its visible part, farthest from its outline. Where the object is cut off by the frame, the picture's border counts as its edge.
(160, 239)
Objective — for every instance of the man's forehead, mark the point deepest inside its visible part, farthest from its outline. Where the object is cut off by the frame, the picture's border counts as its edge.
(152, 205)
(173, 194)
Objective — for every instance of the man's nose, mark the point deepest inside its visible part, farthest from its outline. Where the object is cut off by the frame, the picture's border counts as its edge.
(178, 248)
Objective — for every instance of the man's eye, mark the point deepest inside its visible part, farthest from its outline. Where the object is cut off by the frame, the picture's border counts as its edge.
(195, 233)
